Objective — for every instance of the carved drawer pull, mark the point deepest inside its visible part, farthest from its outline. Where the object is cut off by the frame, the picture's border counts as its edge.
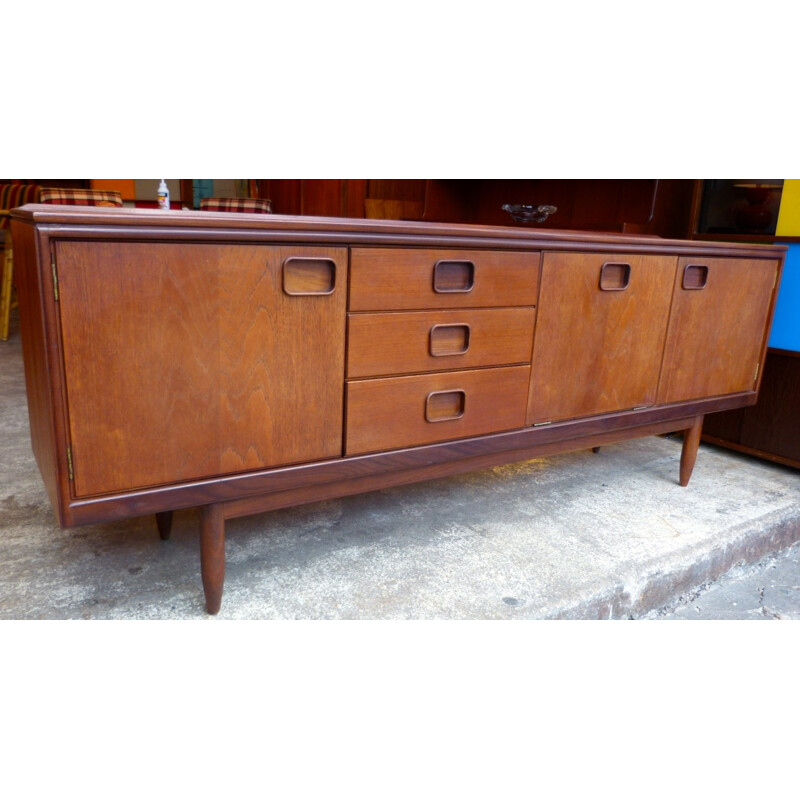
(303, 276)
(449, 340)
(695, 276)
(445, 406)
(453, 276)
(615, 276)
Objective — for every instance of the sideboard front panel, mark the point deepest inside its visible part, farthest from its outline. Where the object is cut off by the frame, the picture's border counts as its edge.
(191, 360)
(600, 331)
(391, 413)
(395, 343)
(717, 327)
(393, 279)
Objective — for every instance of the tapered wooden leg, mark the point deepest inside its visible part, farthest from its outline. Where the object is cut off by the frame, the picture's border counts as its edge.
(212, 555)
(691, 441)
(164, 523)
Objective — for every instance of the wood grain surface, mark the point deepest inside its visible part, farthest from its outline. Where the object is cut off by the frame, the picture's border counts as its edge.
(598, 351)
(41, 363)
(388, 413)
(717, 333)
(122, 286)
(771, 428)
(189, 360)
(386, 279)
(173, 360)
(402, 342)
(93, 222)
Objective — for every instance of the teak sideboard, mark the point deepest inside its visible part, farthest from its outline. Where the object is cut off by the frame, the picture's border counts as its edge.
(242, 363)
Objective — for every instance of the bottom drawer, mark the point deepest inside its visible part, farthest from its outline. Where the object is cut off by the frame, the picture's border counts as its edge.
(391, 413)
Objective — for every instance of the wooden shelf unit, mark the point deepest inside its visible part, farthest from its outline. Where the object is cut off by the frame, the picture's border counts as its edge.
(242, 363)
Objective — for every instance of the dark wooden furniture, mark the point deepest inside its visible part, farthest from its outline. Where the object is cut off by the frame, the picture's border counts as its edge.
(770, 429)
(242, 363)
(661, 207)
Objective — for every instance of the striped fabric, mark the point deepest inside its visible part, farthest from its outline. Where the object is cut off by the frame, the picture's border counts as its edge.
(249, 205)
(81, 197)
(13, 195)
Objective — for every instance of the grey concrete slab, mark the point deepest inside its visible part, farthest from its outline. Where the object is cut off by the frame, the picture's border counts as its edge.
(576, 536)
(766, 590)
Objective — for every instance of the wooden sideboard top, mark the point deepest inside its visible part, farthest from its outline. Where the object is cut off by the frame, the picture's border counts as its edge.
(369, 231)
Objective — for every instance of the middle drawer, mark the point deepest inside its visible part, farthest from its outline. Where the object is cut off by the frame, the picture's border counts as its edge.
(396, 343)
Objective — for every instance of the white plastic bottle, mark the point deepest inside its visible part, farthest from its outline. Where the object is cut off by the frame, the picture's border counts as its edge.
(163, 195)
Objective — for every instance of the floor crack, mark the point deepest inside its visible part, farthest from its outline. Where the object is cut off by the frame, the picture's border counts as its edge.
(764, 610)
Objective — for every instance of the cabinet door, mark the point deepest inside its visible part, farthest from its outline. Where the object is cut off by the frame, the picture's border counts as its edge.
(717, 327)
(185, 361)
(600, 331)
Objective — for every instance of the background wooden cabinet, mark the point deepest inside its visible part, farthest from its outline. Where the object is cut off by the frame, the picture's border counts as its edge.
(661, 207)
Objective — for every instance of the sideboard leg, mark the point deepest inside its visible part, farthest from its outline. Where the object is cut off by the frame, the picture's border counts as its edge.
(691, 441)
(164, 523)
(212, 555)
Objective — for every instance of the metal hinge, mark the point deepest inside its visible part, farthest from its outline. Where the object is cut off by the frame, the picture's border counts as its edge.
(55, 276)
(758, 367)
(69, 463)
(539, 424)
(641, 408)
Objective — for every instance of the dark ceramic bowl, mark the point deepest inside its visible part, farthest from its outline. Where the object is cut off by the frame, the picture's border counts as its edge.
(523, 213)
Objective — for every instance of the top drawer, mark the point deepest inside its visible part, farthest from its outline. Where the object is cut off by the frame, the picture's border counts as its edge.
(390, 279)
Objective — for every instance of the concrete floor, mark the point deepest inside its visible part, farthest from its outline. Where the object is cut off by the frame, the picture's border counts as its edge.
(575, 536)
(768, 589)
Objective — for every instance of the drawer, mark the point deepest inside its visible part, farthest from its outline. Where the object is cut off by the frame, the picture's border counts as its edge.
(394, 279)
(392, 413)
(431, 341)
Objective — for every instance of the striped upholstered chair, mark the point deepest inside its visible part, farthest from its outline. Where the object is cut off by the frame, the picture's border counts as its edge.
(12, 195)
(247, 205)
(80, 197)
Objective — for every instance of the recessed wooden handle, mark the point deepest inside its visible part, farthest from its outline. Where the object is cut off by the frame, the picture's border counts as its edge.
(445, 406)
(449, 340)
(615, 276)
(309, 276)
(695, 276)
(453, 276)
